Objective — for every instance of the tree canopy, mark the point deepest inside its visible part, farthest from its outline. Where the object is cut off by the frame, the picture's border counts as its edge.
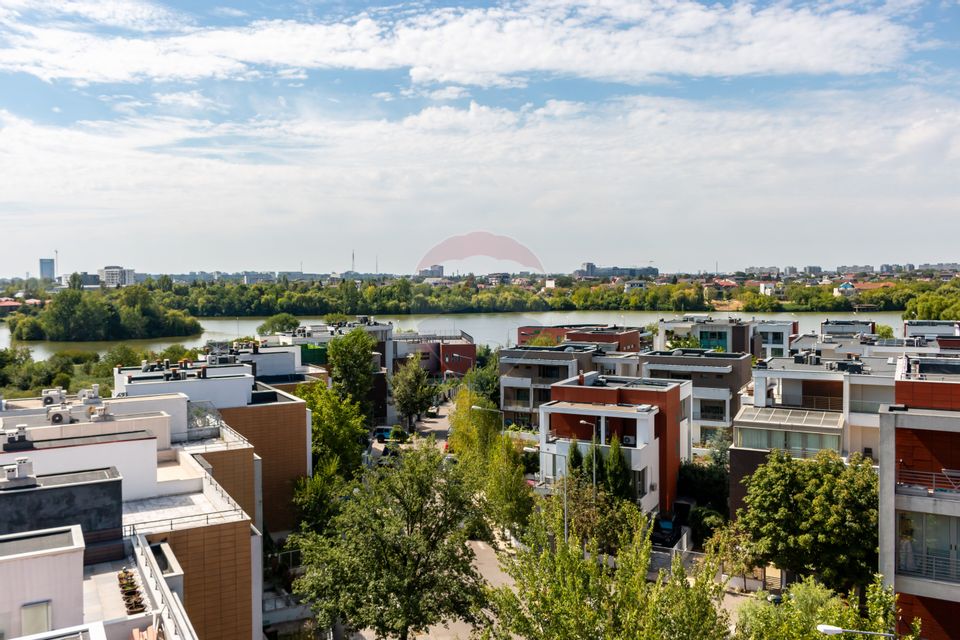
(396, 559)
(279, 323)
(412, 392)
(349, 358)
(815, 516)
(339, 429)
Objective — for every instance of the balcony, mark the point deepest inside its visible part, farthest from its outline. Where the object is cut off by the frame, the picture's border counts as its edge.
(937, 566)
(514, 405)
(712, 416)
(866, 406)
(816, 403)
(944, 485)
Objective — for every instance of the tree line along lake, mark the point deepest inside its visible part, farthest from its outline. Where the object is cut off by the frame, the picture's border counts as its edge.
(494, 329)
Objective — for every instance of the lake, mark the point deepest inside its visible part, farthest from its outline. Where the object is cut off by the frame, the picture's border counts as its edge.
(494, 329)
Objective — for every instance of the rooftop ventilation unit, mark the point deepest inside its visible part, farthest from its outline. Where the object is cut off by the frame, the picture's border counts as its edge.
(53, 396)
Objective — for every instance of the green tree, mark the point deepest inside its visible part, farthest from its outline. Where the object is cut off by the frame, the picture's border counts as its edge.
(317, 498)
(884, 331)
(338, 427)
(616, 472)
(815, 516)
(808, 603)
(76, 282)
(682, 342)
(575, 457)
(593, 457)
(406, 567)
(543, 340)
(484, 378)
(473, 431)
(412, 391)
(568, 589)
(509, 497)
(278, 323)
(349, 358)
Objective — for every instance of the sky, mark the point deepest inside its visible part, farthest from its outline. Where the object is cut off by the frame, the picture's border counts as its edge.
(181, 136)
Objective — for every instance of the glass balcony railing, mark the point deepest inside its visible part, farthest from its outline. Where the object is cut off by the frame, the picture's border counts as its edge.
(866, 406)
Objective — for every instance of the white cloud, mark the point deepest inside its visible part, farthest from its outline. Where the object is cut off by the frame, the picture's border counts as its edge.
(136, 15)
(639, 168)
(632, 42)
(451, 92)
(188, 100)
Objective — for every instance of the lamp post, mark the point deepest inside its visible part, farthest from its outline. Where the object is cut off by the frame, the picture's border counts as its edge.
(593, 427)
(831, 630)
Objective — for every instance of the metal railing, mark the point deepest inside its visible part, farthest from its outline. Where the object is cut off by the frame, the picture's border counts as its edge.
(929, 483)
(710, 415)
(930, 565)
(817, 403)
(174, 621)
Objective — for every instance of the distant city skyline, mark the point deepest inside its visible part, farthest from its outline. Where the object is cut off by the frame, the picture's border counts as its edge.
(683, 133)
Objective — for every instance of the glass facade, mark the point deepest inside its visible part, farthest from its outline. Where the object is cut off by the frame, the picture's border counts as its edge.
(799, 443)
(927, 545)
(713, 340)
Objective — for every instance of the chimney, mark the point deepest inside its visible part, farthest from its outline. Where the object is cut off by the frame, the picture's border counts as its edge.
(580, 378)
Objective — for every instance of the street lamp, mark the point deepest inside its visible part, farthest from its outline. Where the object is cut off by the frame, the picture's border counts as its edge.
(831, 630)
(593, 426)
(566, 477)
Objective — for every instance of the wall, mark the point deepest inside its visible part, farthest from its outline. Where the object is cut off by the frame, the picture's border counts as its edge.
(928, 395)
(233, 470)
(926, 450)
(54, 576)
(939, 617)
(217, 578)
(743, 462)
(280, 435)
(95, 506)
(175, 405)
(449, 361)
(221, 392)
(136, 460)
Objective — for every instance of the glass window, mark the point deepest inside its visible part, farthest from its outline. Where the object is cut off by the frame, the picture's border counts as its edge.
(776, 352)
(753, 438)
(814, 442)
(794, 441)
(640, 482)
(778, 439)
(831, 442)
(35, 618)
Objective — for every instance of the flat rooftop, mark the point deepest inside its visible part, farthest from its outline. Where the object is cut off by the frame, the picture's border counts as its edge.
(35, 541)
(697, 353)
(182, 511)
(931, 369)
(567, 347)
(872, 365)
(102, 599)
(607, 408)
(774, 416)
(620, 382)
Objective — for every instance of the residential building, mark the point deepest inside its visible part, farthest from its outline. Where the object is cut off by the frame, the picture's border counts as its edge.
(276, 423)
(726, 334)
(526, 374)
(48, 269)
(775, 336)
(813, 270)
(920, 493)
(650, 418)
(433, 271)
(614, 338)
(847, 328)
(930, 328)
(806, 403)
(717, 379)
(440, 352)
(86, 279)
(154, 484)
(115, 276)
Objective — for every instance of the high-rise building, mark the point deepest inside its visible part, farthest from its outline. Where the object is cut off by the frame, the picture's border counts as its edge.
(48, 269)
(114, 276)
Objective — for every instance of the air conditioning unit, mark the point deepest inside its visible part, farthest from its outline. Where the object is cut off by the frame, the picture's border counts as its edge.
(630, 441)
(53, 396)
(60, 415)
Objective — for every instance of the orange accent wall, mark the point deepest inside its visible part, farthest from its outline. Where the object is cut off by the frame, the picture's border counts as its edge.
(278, 433)
(940, 619)
(925, 450)
(217, 578)
(928, 395)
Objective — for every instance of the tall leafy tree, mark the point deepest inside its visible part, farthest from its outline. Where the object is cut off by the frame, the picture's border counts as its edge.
(339, 430)
(616, 473)
(412, 391)
(815, 516)
(350, 360)
(396, 559)
(509, 497)
(317, 498)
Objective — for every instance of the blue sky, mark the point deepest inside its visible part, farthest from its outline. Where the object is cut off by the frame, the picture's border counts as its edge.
(185, 135)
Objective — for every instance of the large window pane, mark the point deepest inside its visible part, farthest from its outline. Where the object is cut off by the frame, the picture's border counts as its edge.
(35, 618)
(753, 438)
(778, 439)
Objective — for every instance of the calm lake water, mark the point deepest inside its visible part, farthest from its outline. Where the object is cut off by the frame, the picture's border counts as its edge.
(494, 329)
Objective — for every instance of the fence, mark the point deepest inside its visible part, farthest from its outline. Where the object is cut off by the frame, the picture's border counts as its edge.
(932, 566)
(941, 485)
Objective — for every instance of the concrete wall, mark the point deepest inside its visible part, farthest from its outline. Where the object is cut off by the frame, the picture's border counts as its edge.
(221, 392)
(95, 506)
(27, 578)
(136, 460)
(174, 405)
(233, 470)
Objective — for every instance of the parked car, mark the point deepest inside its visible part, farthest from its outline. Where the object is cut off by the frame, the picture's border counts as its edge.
(382, 434)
